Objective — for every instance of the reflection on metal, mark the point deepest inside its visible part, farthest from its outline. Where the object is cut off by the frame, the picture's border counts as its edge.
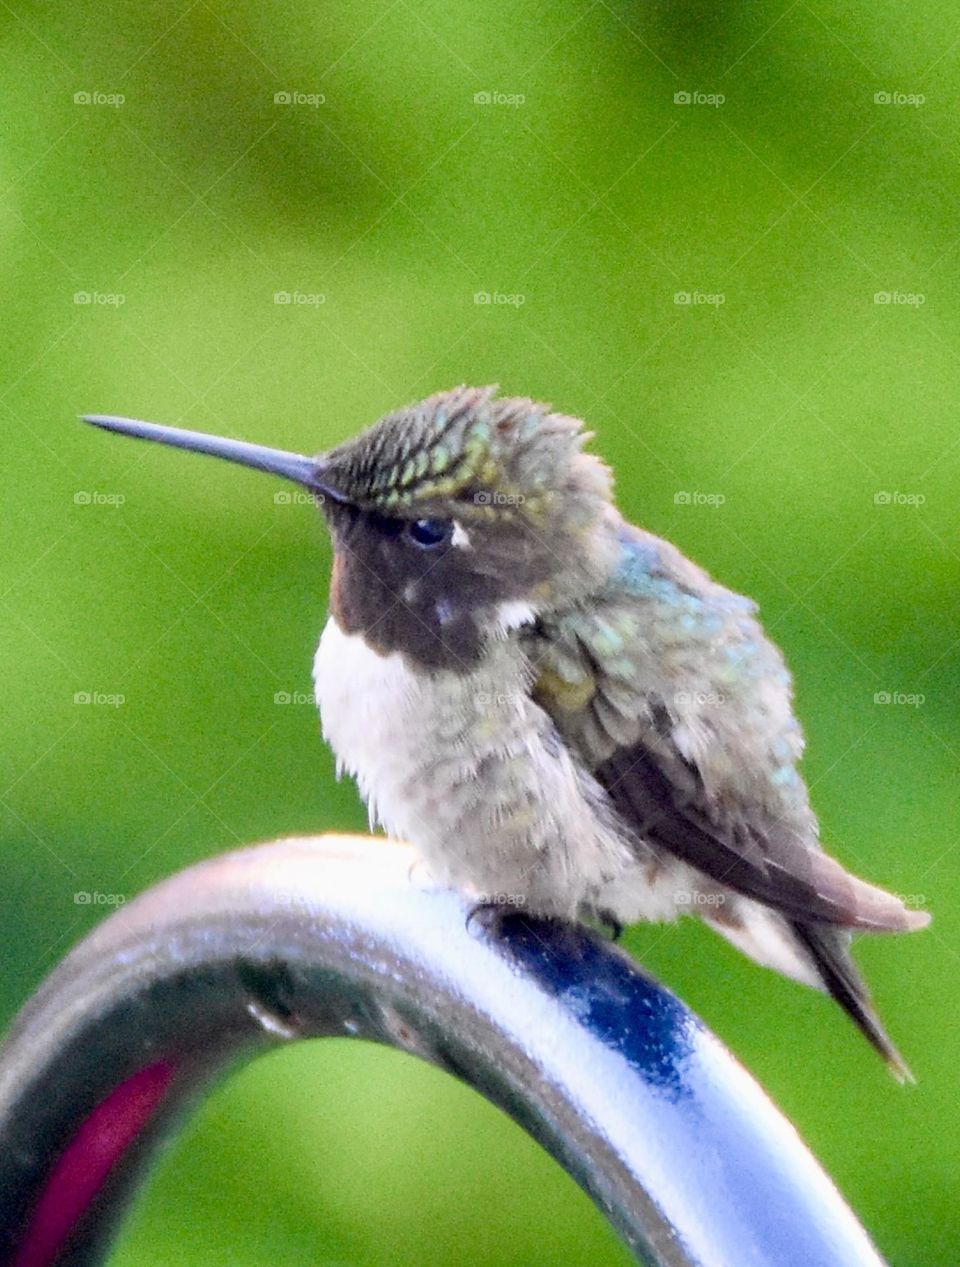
(338, 935)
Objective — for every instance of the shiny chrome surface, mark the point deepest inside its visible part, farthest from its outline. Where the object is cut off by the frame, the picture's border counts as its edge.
(338, 935)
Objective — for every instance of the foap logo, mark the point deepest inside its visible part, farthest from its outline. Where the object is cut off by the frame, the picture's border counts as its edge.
(699, 699)
(99, 298)
(915, 99)
(500, 899)
(296, 497)
(293, 98)
(692, 497)
(899, 298)
(699, 298)
(906, 699)
(88, 897)
(691, 899)
(108, 699)
(94, 497)
(112, 99)
(915, 901)
(498, 99)
(494, 498)
(499, 299)
(714, 99)
(498, 699)
(295, 697)
(897, 498)
(299, 298)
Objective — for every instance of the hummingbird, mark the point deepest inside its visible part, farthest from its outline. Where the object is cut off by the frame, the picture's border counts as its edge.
(560, 710)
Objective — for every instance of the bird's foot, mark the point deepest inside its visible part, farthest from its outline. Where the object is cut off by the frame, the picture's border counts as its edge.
(603, 922)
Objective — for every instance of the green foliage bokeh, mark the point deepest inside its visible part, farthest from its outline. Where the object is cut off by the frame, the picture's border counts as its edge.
(793, 427)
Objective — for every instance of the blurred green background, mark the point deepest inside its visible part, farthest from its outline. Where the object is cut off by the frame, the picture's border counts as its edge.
(809, 386)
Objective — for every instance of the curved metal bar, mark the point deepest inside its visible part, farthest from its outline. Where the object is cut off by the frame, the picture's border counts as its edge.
(338, 935)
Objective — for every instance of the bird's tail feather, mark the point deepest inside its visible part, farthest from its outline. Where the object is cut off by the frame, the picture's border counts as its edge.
(828, 948)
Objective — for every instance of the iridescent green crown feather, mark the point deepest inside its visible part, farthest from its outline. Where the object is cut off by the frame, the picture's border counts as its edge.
(465, 446)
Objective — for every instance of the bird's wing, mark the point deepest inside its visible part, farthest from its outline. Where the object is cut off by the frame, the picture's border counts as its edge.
(749, 852)
(669, 692)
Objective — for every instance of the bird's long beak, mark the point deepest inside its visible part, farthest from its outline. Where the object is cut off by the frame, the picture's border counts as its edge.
(290, 466)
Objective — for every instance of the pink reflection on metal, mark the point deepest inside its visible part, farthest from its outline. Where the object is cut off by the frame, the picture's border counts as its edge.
(86, 1163)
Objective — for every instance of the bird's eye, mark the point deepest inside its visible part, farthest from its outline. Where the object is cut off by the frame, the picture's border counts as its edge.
(428, 533)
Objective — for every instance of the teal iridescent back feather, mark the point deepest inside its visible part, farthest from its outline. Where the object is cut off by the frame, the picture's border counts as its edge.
(666, 648)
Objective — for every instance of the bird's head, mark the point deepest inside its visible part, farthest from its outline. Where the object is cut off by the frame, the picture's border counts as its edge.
(453, 519)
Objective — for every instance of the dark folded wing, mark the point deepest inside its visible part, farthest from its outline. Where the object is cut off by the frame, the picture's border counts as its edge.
(768, 861)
